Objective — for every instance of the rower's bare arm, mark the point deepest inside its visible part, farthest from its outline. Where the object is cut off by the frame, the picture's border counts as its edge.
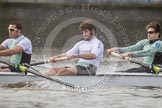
(8, 52)
(87, 56)
(1, 48)
(56, 58)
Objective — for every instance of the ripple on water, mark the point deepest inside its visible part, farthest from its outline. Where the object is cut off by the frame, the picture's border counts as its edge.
(38, 95)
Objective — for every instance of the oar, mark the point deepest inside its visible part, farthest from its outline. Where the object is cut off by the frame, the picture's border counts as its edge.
(131, 60)
(51, 79)
(153, 67)
(46, 61)
(4, 62)
(25, 69)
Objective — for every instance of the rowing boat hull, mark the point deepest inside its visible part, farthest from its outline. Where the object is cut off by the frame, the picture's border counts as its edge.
(109, 79)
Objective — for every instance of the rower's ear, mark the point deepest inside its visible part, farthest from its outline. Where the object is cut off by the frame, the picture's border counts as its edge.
(158, 34)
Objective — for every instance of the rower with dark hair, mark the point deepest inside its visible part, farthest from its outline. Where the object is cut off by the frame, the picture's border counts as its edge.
(150, 49)
(17, 46)
(89, 51)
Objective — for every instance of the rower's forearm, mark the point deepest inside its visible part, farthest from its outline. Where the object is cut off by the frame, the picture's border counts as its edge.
(88, 56)
(142, 53)
(1, 48)
(8, 52)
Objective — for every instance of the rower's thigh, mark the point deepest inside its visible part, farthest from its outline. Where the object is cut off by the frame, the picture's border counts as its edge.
(53, 71)
(72, 70)
(5, 70)
(67, 71)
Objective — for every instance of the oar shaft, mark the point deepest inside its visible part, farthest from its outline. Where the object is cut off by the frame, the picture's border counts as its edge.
(129, 59)
(38, 63)
(156, 69)
(41, 75)
(139, 63)
(44, 62)
(49, 78)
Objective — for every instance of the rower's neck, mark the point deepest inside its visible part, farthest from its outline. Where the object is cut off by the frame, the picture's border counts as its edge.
(152, 41)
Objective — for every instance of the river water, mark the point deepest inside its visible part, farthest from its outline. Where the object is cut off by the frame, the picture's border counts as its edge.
(111, 97)
(47, 94)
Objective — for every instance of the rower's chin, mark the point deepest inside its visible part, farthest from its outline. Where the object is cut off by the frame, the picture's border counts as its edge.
(86, 38)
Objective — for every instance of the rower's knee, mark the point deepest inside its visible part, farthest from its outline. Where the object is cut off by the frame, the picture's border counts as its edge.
(5, 70)
(65, 71)
(51, 72)
(61, 71)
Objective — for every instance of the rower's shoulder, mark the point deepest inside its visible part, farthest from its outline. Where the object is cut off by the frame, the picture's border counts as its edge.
(159, 42)
(7, 40)
(96, 40)
(145, 40)
(26, 39)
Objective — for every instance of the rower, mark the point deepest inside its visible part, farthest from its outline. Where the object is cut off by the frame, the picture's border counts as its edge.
(146, 48)
(18, 46)
(89, 52)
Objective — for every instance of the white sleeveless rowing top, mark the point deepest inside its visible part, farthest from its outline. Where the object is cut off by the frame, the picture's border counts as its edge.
(92, 46)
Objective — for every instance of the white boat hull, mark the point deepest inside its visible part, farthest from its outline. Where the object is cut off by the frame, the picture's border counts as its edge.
(110, 79)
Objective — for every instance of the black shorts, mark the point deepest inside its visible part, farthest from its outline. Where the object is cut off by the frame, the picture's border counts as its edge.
(89, 70)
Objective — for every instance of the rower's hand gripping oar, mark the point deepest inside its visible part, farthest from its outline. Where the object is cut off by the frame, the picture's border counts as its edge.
(154, 68)
(47, 61)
